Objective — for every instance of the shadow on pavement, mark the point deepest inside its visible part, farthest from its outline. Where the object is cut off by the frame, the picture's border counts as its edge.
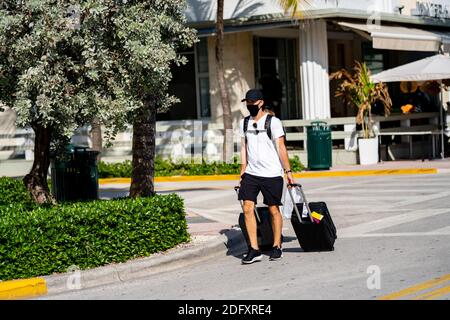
(287, 239)
(237, 246)
(187, 190)
(235, 242)
(294, 250)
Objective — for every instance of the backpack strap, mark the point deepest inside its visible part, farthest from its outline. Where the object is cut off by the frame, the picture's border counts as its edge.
(246, 120)
(267, 126)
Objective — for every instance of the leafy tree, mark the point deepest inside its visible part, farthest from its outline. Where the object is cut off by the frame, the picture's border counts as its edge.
(62, 63)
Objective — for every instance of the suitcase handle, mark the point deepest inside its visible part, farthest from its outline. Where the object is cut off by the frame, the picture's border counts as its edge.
(305, 202)
(236, 188)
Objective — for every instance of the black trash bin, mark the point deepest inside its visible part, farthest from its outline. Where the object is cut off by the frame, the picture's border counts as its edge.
(75, 175)
(319, 146)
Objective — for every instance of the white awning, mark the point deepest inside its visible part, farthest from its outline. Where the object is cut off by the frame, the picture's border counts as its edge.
(401, 38)
(432, 68)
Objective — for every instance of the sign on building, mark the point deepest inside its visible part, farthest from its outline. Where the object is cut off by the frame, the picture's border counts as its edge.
(432, 10)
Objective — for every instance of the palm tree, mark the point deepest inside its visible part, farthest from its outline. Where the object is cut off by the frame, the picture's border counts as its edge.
(358, 90)
(293, 6)
(226, 109)
(288, 5)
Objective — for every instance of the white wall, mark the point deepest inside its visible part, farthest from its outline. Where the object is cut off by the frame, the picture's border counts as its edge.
(239, 74)
(205, 10)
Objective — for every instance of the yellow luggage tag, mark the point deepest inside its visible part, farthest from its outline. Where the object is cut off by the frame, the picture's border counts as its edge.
(317, 217)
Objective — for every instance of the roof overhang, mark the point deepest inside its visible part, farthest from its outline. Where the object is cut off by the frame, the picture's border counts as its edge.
(207, 28)
(400, 38)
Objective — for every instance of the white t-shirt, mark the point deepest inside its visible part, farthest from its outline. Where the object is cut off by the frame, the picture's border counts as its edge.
(262, 155)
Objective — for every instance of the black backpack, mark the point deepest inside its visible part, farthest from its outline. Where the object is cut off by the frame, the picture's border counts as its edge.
(266, 127)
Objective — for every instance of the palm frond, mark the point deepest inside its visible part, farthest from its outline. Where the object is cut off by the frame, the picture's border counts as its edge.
(358, 90)
(297, 8)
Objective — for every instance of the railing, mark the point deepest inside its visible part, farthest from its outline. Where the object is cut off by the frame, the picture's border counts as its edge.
(175, 138)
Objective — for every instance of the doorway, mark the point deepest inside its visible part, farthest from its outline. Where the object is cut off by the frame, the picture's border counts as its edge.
(276, 74)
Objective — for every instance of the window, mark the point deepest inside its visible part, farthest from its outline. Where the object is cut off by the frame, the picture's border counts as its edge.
(276, 75)
(204, 104)
(374, 59)
(190, 84)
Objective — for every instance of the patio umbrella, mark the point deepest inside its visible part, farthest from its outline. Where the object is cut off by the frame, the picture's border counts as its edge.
(432, 68)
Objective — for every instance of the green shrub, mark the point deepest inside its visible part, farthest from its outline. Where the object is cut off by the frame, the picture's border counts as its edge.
(13, 191)
(168, 168)
(87, 234)
(296, 165)
(114, 170)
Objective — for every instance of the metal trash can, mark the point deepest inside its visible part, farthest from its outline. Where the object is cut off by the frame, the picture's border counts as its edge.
(75, 175)
(319, 146)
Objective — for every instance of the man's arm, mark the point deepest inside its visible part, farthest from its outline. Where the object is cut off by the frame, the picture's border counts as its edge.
(283, 154)
(243, 156)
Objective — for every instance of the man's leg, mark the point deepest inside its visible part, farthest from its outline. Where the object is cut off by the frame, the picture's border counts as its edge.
(277, 225)
(250, 223)
(272, 190)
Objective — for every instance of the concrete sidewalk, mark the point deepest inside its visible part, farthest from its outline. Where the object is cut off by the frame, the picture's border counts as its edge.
(382, 168)
(439, 164)
(207, 241)
(399, 223)
(19, 168)
(209, 237)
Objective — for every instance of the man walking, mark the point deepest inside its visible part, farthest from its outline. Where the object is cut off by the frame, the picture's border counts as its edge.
(263, 160)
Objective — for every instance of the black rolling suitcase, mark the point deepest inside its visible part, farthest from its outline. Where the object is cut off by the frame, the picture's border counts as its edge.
(264, 227)
(312, 235)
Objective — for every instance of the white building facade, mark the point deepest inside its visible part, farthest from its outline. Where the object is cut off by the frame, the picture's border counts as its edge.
(290, 59)
(261, 41)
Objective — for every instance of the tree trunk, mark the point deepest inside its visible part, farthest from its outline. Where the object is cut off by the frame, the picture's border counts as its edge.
(36, 180)
(228, 145)
(144, 132)
(96, 136)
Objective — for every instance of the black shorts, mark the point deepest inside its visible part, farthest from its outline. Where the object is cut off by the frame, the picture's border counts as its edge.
(271, 188)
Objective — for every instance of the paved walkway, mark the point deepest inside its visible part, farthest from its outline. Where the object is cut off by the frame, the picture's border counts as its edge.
(393, 243)
(398, 164)
(205, 220)
(392, 219)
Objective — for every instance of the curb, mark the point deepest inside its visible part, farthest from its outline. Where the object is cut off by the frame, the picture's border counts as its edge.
(160, 262)
(356, 173)
(306, 174)
(16, 289)
(180, 256)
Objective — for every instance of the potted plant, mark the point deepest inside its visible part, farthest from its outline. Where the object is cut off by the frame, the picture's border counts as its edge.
(358, 90)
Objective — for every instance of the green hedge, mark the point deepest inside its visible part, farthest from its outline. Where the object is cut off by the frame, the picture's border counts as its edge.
(13, 191)
(169, 168)
(90, 234)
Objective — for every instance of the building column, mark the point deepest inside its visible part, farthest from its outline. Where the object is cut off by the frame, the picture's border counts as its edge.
(315, 83)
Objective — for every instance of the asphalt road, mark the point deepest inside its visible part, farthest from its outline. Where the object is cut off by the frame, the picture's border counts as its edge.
(393, 234)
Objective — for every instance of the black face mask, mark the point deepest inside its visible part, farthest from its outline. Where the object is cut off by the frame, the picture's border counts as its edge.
(253, 109)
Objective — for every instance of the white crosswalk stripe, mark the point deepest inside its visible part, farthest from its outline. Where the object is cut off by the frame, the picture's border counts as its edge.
(372, 226)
